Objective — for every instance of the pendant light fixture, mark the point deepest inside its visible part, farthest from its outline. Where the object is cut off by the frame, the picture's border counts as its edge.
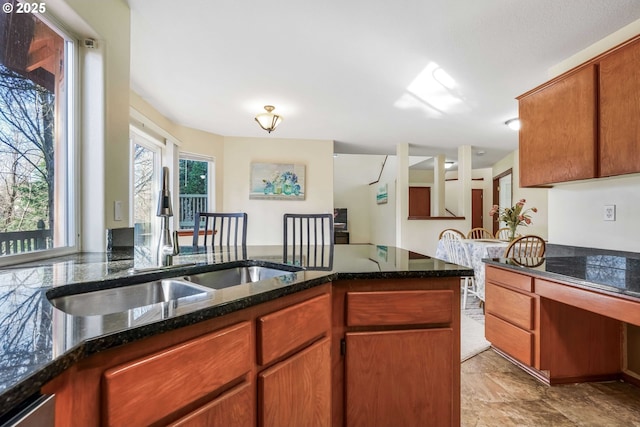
(268, 121)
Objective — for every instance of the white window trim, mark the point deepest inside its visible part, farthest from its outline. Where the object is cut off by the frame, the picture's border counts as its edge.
(211, 195)
(72, 150)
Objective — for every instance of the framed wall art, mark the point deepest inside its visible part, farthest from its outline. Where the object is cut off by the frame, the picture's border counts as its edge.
(277, 181)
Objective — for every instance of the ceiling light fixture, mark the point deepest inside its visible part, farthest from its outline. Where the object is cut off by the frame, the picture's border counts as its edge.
(514, 124)
(447, 165)
(268, 121)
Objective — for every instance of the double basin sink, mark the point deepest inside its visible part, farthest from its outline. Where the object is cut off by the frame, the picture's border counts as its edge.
(186, 287)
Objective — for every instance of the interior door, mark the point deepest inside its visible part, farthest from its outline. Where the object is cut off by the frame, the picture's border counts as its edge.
(419, 201)
(476, 208)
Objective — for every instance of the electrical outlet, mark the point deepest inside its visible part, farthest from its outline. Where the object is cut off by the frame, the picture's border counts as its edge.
(609, 212)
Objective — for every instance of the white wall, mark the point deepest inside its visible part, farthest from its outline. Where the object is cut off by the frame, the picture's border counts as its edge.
(383, 216)
(265, 216)
(352, 174)
(577, 212)
(535, 197)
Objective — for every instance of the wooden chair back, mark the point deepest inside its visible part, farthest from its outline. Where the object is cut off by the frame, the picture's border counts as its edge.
(479, 233)
(502, 233)
(308, 240)
(228, 231)
(526, 247)
(460, 233)
(456, 251)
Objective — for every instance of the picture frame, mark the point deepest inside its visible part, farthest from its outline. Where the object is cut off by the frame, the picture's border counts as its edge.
(382, 194)
(277, 181)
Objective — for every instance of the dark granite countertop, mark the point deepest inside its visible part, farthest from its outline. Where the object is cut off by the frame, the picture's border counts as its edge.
(39, 341)
(616, 275)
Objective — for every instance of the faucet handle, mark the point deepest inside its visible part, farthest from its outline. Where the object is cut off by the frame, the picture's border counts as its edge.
(176, 245)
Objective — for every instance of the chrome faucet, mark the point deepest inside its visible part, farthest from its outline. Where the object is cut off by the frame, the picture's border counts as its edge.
(166, 248)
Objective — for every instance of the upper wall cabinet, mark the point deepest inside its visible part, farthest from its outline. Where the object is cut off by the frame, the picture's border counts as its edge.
(558, 135)
(584, 123)
(620, 111)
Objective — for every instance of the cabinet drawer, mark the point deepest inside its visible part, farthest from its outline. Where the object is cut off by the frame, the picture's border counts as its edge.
(399, 307)
(517, 342)
(515, 280)
(291, 328)
(175, 377)
(515, 307)
(229, 409)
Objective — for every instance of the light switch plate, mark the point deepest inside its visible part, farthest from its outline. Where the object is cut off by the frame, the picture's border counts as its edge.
(117, 210)
(609, 212)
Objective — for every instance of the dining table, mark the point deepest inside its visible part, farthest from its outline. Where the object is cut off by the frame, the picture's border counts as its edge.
(477, 250)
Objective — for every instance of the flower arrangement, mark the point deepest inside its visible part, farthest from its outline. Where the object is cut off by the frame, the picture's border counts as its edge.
(513, 216)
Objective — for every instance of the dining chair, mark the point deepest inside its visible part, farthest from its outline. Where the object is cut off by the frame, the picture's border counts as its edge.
(460, 233)
(479, 233)
(308, 240)
(526, 247)
(228, 230)
(458, 253)
(502, 233)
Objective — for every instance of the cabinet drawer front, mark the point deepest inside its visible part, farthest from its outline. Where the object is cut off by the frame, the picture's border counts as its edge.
(399, 307)
(175, 377)
(517, 342)
(297, 390)
(503, 277)
(510, 305)
(291, 328)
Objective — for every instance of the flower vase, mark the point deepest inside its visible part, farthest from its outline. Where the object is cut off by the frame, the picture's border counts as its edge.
(512, 231)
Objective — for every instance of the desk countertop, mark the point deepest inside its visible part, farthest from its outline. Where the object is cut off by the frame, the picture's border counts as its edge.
(39, 341)
(616, 275)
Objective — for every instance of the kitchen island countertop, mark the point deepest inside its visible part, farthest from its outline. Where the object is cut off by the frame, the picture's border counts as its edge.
(39, 341)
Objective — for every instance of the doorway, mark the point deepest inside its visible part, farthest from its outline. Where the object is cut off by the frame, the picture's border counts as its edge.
(502, 193)
(477, 218)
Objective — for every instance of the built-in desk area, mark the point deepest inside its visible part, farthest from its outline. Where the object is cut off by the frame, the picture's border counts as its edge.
(562, 318)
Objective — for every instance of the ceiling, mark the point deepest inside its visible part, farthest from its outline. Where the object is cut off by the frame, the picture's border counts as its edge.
(367, 74)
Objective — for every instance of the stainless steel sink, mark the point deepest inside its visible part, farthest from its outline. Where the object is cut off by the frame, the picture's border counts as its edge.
(235, 276)
(121, 299)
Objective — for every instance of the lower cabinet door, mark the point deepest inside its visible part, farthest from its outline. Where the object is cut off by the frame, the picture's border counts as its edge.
(400, 378)
(297, 391)
(232, 408)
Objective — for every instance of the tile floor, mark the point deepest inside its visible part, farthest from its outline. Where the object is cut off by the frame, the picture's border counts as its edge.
(495, 392)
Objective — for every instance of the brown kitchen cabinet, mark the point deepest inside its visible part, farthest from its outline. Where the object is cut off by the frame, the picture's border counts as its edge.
(619, 111)
(582, 124)
(534, 323)
(296, 391)
(219, 372)
(400, 346)
(558, 137)
(151, 389)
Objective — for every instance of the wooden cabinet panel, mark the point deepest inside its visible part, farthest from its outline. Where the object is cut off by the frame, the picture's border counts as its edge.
(558, 138)
(517, 342)
(619, 111)
(596, 302)
(512, 306)
(508, 278)
(297, 391)
(281, 332)
(233, 408)
(175, 377)
(400, 378)
(399, 307)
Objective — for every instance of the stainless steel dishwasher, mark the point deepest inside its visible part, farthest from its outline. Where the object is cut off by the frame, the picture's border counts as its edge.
(39, 413)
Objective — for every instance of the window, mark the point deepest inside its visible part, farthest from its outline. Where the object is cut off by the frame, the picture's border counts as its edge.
(37, 63)
(146, 159)
(196, 177)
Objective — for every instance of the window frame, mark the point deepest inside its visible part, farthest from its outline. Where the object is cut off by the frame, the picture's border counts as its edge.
(68, 130)
(211, 197)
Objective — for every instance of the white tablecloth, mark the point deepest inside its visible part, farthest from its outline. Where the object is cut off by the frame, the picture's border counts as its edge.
(478, 249)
